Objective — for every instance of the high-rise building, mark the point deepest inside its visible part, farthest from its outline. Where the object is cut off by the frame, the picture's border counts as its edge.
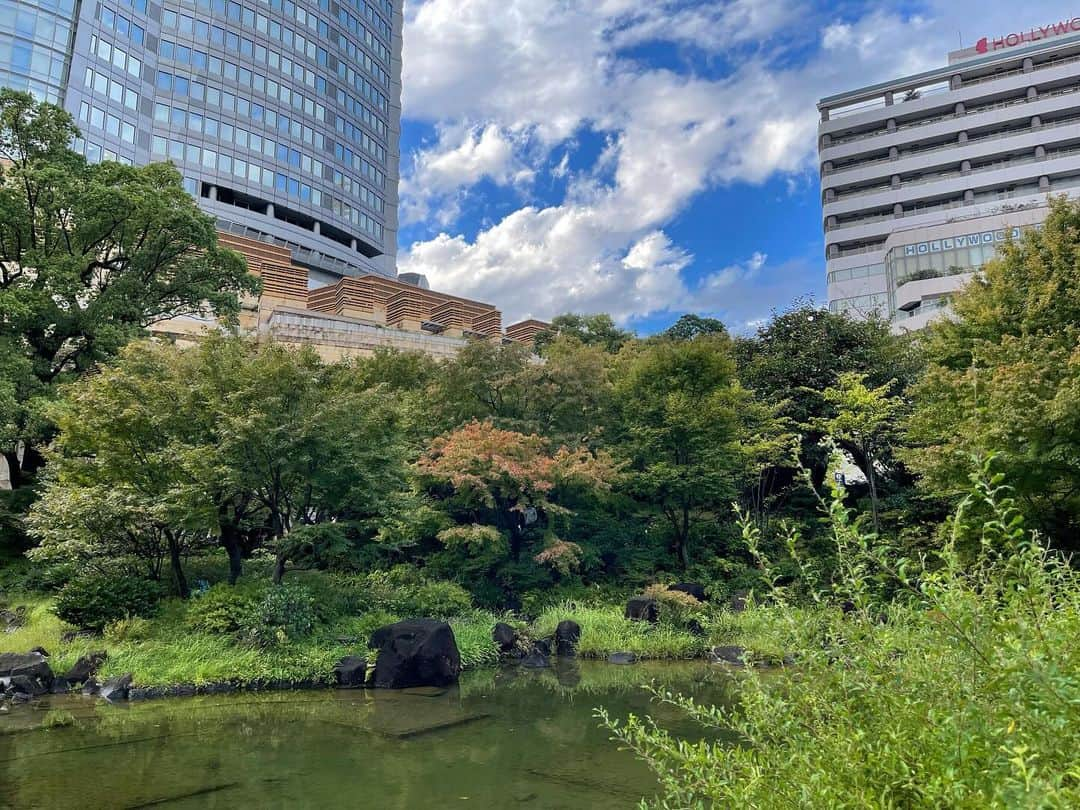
(283, 116)
(923, 177)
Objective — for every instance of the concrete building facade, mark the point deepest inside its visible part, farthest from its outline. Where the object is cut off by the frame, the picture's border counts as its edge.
(283, 116)
(923, 177)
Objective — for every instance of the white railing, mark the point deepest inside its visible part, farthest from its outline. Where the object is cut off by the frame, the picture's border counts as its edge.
(952, 145)
(922, 122)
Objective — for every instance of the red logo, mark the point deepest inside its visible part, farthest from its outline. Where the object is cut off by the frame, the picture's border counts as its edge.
(982, 46)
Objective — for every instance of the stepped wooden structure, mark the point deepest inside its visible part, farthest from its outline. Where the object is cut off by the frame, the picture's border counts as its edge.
(355, 315)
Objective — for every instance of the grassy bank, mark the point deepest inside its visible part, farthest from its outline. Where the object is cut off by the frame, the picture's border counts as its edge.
(165, 650)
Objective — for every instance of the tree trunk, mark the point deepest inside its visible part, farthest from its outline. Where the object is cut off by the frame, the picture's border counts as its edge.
(177, 567)
(872, 479)
(15, 470)
(279, 568)
(683, 539)
(230, 541)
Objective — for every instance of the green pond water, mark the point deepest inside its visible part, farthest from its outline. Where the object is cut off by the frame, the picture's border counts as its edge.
(501, 739)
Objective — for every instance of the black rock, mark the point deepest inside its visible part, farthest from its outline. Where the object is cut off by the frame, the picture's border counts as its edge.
(116, 688)
(21, 697)
(536, 660)
(642, 609)
(351, 671)
(23, 684)
(86, 667)
(31, 666)
(737, 601)
(542, 646)
(694, 589)
(567, 635)
(847, 606)
(12, 620)
(418, 652)
(60, 685)
(91, 688)
(729, 655)
(40, 651)
(622, 658)
(71, 635)
(695, 628)
(505, 636)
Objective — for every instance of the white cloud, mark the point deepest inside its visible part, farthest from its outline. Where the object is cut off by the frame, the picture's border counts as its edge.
(463, 156)
(534, 73)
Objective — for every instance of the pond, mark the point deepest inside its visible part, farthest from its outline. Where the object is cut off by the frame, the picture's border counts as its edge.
(500, 739)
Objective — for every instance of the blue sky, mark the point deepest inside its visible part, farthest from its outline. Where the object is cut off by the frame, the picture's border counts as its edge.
(641, 157)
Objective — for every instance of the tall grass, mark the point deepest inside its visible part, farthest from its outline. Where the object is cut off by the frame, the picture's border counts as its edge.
(166, 651)
(966, 693)
(605, 630)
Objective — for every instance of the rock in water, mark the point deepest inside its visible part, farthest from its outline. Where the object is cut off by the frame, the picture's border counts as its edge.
(351, 671)
(567, 635)
(622, 658)
(694, 589)
(418, 652)
(86, 667)
(34, 675)
(642, 609)
(729, 655)
(505, 636)
(536, 660)
(116, 688)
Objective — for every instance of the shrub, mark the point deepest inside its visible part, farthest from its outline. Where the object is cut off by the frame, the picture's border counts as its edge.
(404, 592)
(223, 609)
(133, 628)
(94, 601)
(285, 613)
(676, 608)
(255, 612)
(437, 600)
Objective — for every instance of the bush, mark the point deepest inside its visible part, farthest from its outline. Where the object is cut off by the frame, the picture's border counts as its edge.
(285, 613)
(676, 608)
(404, 592)
(95, 601)
(255, 612)
(223, 609)
(132, 628)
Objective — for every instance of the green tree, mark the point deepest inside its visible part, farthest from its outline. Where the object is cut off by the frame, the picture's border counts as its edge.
(249, 444)
(1004, 378)
(90, 256)
(865, 417)
(691, 326)
(591, 330)
(689, 431)
(799, 353)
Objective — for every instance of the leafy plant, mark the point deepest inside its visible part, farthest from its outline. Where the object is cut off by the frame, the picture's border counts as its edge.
(960, 692)
(96, 600)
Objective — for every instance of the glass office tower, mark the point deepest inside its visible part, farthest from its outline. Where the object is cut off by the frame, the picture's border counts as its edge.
(283, 117)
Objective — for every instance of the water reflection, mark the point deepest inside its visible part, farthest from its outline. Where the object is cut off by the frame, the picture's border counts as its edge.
(503, 738)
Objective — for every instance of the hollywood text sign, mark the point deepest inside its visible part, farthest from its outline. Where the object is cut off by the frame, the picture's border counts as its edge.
(965, 240)
(985, 45)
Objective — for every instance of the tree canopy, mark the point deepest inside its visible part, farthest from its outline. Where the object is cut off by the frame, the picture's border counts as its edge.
(1004, 378)
(90, 256)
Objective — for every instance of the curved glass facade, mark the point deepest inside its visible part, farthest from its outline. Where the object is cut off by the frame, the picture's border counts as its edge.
(283, 116)
(35, 46)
